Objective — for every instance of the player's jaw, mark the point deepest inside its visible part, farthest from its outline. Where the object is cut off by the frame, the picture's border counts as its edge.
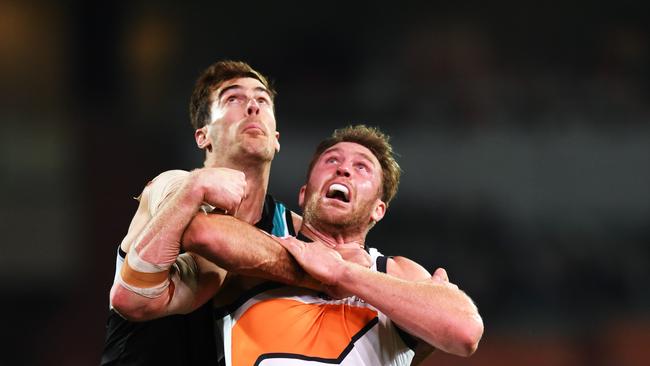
(257, 137)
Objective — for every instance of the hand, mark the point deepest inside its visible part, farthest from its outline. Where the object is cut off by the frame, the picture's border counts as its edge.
(440, 276)
(352, 252)
(223, 188)
(318, 260)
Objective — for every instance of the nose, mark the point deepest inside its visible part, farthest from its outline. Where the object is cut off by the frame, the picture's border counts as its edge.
(252, 108)
(342, 171)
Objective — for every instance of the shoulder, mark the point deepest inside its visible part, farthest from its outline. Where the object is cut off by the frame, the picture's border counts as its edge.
(406, 269)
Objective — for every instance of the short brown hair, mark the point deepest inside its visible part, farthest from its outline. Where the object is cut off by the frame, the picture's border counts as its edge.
(375, 141)
(211, 79)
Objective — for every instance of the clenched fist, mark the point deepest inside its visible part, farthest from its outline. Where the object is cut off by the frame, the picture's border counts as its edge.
(223, 188)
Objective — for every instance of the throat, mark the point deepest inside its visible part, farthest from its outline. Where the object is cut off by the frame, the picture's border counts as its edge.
(328, 240)
(250, 209)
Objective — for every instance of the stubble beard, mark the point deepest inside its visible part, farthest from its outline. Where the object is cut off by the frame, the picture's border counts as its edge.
(315, 216)
(255, 152)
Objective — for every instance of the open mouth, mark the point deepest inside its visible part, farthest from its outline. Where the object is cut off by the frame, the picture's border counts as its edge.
(338, 192)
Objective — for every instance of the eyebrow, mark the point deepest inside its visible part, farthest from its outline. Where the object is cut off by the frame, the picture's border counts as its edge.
(237, 86)
(338, 150)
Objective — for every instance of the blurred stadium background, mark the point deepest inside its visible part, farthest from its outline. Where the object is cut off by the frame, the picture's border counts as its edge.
(523, 129)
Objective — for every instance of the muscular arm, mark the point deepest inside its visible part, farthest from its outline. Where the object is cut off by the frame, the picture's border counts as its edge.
(242, 248)
(166, 207)
(435, 311)
(193, 281)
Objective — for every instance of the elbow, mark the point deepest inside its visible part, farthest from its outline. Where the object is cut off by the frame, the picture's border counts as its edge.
(468, 336)
(457, 338)
(123, 304)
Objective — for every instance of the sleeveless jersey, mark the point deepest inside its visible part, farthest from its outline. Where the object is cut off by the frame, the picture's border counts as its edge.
(274, 324)
(178, 339)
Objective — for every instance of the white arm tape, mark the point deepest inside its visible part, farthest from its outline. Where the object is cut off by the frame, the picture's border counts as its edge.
(183, 274)
(149, 292)
(140, 265)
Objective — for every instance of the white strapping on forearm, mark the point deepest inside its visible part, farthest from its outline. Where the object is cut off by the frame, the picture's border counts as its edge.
(149, 292)
(141, 265)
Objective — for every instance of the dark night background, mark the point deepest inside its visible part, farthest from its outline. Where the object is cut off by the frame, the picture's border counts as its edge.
(523, 130)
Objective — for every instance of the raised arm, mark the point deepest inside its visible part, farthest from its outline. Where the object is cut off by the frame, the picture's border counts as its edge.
(242, 248)
(154, 281)
(432, 310)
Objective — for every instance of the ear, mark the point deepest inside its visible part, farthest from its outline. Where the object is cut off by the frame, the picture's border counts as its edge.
(277, 141)
(301, 197)
(379, 211)
(201, 137)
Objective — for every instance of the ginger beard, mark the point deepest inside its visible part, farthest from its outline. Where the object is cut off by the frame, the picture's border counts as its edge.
(343, 192)
(331, 214)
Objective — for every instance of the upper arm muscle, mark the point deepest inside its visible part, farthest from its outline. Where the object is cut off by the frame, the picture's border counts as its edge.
(406, 269)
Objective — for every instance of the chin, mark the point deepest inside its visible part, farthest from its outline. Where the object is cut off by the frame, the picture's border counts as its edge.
(260, 153)
(339, 220)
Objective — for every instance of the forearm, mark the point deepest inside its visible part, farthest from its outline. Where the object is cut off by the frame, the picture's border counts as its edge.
(437, 313)
(242, 248)
(159, 241)
(148, 286)
(191, 282)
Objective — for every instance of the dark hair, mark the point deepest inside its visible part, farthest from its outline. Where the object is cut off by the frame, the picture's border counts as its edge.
(211, 79)
(375, 141)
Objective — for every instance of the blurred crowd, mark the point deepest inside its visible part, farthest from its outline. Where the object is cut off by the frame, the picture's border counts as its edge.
(523, 132)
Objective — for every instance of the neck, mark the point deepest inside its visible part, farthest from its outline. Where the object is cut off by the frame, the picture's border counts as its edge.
(257, 181)
(341, 238)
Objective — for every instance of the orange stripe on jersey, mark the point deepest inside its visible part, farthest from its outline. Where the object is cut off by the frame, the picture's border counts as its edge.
(290, 326)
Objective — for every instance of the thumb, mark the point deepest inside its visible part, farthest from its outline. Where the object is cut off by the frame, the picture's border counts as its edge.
(289, 243)
(440, 275)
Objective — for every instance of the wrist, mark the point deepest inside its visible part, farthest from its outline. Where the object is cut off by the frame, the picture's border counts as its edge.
(346, 274)
(196, 187)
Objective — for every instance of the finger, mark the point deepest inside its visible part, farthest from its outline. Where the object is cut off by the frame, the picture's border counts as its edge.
(243, 192)
(289, 244)
(236, 207)
(283, 242)
(440, 275)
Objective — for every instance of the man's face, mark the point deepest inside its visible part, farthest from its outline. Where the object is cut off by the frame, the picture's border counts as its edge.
(344, 188)
(242, 122)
